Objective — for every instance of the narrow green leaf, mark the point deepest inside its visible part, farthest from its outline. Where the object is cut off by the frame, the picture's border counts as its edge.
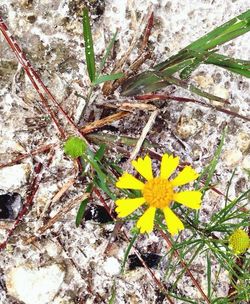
(108, 50)
(89, 47)
(104, 78)
(113, 294)
(130, 245)
(81, 211)
(209, 285)
(100, 152)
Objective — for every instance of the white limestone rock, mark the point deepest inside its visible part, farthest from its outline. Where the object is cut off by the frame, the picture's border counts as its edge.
(232, 158)
(111, 266)
(30, 284)
(14, 177)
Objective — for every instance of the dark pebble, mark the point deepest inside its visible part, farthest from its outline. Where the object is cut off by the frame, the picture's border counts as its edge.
(10, 205)
(151, 260)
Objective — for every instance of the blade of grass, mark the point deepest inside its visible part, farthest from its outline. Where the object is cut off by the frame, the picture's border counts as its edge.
(105, 57)
(209, 281)
(190, 57)
(226, 32)
(110, 77)
(130, 245)
(89, 47)
(83, 206)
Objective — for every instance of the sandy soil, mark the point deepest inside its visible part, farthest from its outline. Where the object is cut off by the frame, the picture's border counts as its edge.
(69, 264)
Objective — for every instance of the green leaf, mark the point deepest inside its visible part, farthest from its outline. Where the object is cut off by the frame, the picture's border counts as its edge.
(130, 245)
(209, 281)
(81, 211)
(74, 147)
(104, 78)
(100, 152)
(104, 59)
(89, 48)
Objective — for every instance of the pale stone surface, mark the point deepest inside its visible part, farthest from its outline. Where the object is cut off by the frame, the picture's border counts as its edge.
(31, 285)
(232, 158)
(220, 91)
(204, 81)
(187, 126)
(14, 177)
(243, 141)
(54, 44)
(246, 163)
(111, 266)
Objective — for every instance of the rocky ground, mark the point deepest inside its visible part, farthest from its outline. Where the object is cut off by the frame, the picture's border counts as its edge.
(68, 264)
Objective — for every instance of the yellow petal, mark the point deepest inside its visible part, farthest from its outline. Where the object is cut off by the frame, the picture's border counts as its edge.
(187, 175)
(128, 181)
(173, 222)
(144, 167)
(146, 221)
(128, 205)
(168, 165)
(191, 199)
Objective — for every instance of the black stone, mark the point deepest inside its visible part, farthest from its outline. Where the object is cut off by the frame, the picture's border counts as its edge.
(151, 260)
(98, 214)
(10, 205)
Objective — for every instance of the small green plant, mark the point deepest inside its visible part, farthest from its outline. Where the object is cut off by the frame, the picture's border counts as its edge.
(201, 51)
(216, 239)
(75, 147)
(94, 73)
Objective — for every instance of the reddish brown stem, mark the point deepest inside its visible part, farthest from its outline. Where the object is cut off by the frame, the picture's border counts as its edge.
(183, 99)
(33, 76)
(147, 31)
(26, 155)
(29, 200)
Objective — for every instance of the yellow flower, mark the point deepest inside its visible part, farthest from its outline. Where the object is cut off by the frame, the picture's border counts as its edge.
(158, 192)
(239, 241)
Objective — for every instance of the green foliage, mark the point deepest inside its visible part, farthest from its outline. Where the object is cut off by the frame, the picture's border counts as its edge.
(94, 75)
(89, 47)
(75, 147)
(201, 51)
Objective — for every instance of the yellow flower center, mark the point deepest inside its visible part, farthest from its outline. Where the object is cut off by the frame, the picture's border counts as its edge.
(158, 192)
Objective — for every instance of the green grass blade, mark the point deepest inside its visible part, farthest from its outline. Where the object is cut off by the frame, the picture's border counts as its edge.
(209, 281)
(89, 47)
(130, 245)
(113, 294)
(212, 166)
(83, 206)
(104, 78)
(224, 33)
(107, 52)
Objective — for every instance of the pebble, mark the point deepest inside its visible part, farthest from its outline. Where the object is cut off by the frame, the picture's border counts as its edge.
(187, 127)
(30, 284)
(243, 142)
(246, 163)
(232, 158)
(14, 177)
(204, 81)
(111, 266)
(220, 91)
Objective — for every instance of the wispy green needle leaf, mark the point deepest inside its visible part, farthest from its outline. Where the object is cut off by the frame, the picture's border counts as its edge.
(89, 47)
